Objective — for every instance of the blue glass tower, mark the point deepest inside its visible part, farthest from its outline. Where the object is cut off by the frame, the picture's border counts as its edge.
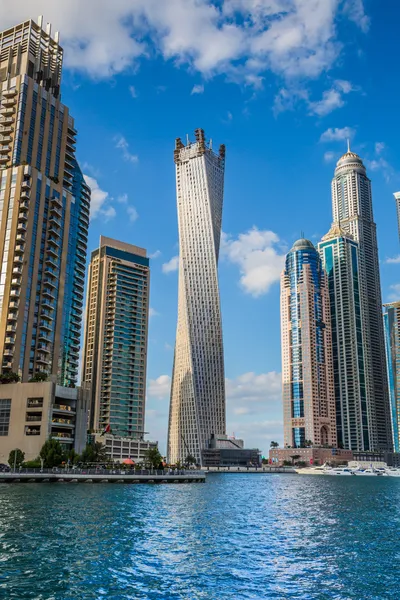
(340, 257)
(307, 369)
(391, 319)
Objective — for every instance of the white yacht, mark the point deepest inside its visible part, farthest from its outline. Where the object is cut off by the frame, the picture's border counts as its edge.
(341, 471)
(393, 472)
(313, 470)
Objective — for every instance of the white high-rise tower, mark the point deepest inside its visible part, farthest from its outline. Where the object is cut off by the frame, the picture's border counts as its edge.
(197, 407)
(352, 209)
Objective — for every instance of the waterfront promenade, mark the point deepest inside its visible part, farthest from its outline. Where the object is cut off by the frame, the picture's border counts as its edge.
(101, 476)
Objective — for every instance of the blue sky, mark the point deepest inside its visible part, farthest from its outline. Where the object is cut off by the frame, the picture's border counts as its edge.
(282, 83)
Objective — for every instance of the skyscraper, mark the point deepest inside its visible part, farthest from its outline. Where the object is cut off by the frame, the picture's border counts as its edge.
(352, 208)
(44, 211)
(116, 329)
(397, 198)
(392, 338)
(307, 367)
(340, 258)
(197, 407)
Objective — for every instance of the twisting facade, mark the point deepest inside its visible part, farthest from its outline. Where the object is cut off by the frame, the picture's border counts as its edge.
(44, 211)
(307, 368)
(352, 208)
(340, 258)
(197, 407)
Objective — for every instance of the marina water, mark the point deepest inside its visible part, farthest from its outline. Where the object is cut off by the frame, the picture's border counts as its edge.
(236, 536)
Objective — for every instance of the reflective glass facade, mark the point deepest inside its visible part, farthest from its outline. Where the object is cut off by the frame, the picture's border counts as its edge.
(116, 337)
(44, 211)
(340, 258)
(307, 369)
(392, 341)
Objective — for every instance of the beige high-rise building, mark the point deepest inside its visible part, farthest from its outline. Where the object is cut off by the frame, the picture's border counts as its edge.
(116, 330)
(307, 365)
(44, 211)
(197, 407)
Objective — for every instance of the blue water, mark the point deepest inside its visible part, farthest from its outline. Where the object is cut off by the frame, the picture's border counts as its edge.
(236, 536)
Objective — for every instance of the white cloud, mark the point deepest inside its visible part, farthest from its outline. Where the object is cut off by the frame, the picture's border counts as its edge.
(122, 144)
(379, 147)
(337, 134)
(380, 164)
(132, 213)
(259, 257)
(395, 260)
(329, 156)
(240, 38)
(171, 265)
(355, 12)
(132, 91)
(100, 199)
(159, 388)
(332, 99)
(155, 254)
(168, 347)
(197, 89)
(153, 312)
(122, 199)
(395, 292)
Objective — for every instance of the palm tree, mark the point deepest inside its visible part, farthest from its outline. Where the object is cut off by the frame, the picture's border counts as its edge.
(274, 445)
(295, 457)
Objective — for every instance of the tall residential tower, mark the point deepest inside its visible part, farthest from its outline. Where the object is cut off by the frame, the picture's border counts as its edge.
(197, 408)
(116, 329)
(44, 211)
(340, 258)
(391, 319)
(352, 209)
(307, 367)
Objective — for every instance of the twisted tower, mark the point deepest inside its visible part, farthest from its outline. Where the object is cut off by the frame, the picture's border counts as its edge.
(197, 407)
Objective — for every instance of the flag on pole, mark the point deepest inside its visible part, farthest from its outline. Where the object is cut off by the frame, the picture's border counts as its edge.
(107, 429)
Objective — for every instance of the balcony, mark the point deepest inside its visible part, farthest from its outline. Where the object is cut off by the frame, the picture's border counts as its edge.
(54, 240)
(22, 216)
(4, 158)
(15, 293)
(4, 149)
(7, 364)
(51, 282)
(43, 347)
(30, 418)
(60, 422)
(9, 340)
(24, 206)
(62, 437)
(21, 227)
(5, 139)
(56, 201)
(50, 261)
(52, 251)
(55, 221)
(25, 194)
(44, 325)
(8, 352)
(44, 337)
(20, 237)
(32, 430)
(25, 185)
(19, 249)
(12, 316)
(54, 210)
(14, 304)
(7, 111)
(18, 260)
(42, 360)
(48, 293)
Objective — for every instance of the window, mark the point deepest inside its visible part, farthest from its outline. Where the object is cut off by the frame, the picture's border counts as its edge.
(5, 410)
(34, 402)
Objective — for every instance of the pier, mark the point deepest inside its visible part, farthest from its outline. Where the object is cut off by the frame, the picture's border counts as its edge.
(101, 476)
(261, 470)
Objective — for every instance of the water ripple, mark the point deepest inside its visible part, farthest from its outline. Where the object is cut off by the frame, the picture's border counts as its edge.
(250, 537)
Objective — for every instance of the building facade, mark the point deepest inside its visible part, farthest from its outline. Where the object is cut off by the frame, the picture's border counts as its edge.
(352, 208)
(197, 407)
(397, 198)
(391, 319)
(44, 211)
(116, 331)
(32, 413)
(307, 365)
(340, 258)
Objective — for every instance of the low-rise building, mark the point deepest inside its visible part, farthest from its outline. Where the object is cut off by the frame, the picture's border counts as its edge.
(311, 456)
(224, 451)
(31, 413)
(120, 448)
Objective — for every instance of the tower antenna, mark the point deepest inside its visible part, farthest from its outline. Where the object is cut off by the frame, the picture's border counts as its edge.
(348, 145)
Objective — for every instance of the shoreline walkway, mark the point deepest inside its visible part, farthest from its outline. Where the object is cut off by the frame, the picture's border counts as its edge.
(101, 476)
